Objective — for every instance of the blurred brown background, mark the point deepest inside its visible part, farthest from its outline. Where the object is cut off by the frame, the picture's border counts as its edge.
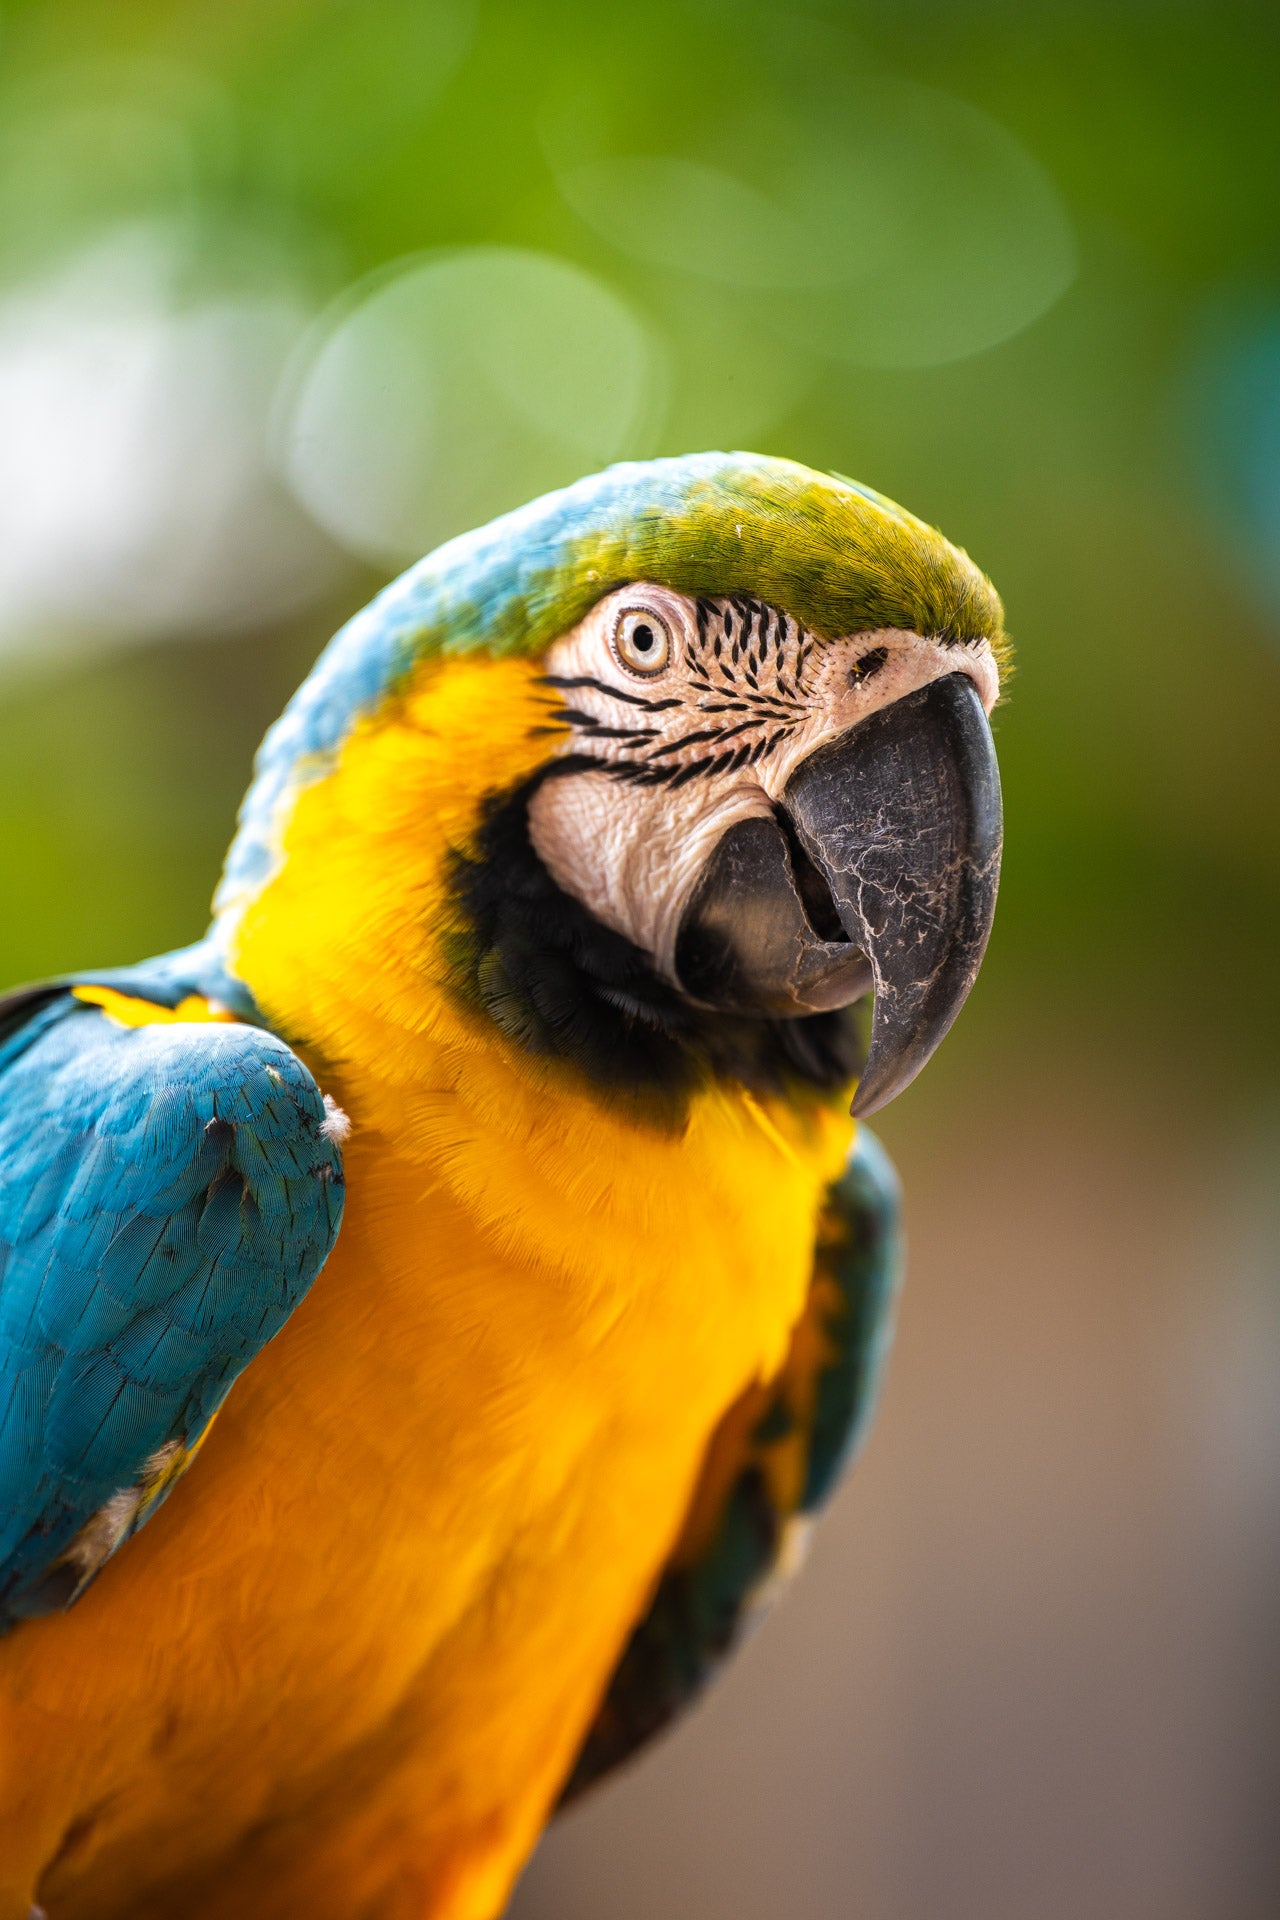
(291, 290)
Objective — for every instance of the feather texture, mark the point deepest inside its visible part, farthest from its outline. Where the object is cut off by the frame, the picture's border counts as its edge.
(167, 1196)
(771, 1464)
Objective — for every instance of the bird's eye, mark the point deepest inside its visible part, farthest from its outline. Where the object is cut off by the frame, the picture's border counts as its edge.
(642, 641)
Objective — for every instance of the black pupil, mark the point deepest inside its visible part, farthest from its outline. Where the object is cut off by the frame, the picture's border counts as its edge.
(642, 638)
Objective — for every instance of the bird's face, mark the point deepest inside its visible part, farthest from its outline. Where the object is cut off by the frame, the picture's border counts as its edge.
(782, 822)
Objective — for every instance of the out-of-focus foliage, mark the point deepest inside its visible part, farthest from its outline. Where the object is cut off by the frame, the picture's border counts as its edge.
(292, 288)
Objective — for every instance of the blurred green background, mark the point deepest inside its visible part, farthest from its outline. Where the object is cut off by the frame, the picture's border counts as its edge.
(291, 290)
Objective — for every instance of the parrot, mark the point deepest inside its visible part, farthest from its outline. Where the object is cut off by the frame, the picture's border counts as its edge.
(435, 1304)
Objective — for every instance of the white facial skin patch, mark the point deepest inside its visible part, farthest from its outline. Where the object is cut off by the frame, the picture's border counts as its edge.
(699, 712)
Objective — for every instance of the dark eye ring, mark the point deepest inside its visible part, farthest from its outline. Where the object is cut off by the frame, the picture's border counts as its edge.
(642, 641)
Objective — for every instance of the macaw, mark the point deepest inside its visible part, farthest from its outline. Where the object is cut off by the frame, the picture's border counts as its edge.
(468, 1243)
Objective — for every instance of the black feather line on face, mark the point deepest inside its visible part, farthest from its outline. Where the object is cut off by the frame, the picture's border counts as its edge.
(743, 629)
(684, 774)
(802, 660)
(564, 683)
(727, 733)
(588, 724)
(561, 985)
(689, 740)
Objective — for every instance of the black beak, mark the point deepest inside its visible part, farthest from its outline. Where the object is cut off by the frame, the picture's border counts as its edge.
(878, 873)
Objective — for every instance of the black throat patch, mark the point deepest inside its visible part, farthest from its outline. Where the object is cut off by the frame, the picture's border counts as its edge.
(564, 986)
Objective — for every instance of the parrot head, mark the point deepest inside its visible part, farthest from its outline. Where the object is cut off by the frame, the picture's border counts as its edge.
(709, 761)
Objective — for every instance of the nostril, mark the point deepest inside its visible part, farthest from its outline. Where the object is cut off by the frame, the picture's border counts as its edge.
(816, 896)
(869, 664)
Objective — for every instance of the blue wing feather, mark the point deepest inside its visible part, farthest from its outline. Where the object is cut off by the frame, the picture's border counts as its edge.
(167, 1196)
(863, 1250)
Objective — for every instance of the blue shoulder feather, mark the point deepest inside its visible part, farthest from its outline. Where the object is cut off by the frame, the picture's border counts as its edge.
(168, 1194)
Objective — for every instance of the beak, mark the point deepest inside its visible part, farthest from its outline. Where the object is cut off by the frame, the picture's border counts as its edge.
(878, 873)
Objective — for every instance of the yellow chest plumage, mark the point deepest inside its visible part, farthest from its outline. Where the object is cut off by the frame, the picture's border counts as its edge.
(346, 1668)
